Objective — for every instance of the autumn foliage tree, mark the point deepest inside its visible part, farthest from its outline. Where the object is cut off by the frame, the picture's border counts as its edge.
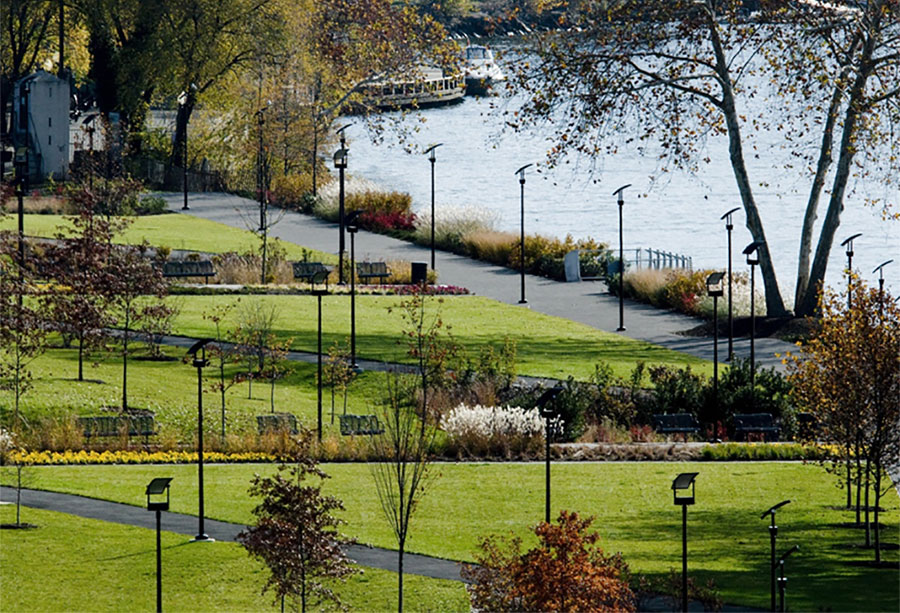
(566, 571)
(848, 375)
(662, 76)
(296, 532)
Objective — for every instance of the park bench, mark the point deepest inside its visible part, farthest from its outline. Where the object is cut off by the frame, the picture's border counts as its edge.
(371, 270)
(677, 423)
(188, 268)
(360, 424)
(117, 425)
(755, 423)
(307, 270)
(277, 422)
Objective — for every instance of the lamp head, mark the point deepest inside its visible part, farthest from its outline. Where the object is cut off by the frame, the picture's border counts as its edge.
(714, 285)
(727, 218)
(880, 269)
(521, 172)
(619, 193)
(773, 509)
(157, 487)
(340, 158)
(682, 483)
(342, 128)
(351, 221)
(545, 401)
(752, 252)
(787, 554)
(848, 242)
(318, 279)
(197, 353)
(430, 151)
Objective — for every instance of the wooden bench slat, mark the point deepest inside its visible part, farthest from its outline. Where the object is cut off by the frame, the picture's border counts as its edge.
(360, 424)
(370, 270)
(275, 422)
(307, 270)
(681, 423)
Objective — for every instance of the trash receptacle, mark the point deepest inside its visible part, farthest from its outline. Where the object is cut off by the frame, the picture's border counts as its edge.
(419, 272)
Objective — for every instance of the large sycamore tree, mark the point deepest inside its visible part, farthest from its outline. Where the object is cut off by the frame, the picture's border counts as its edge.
(631, 73)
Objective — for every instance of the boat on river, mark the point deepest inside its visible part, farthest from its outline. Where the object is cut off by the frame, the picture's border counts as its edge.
(425, 87)
(483, 74)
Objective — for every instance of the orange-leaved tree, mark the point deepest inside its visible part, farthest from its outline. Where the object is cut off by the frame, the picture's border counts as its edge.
(848, 375)
(567, 571)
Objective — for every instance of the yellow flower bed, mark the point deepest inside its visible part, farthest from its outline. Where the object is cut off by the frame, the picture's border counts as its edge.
(133, 457)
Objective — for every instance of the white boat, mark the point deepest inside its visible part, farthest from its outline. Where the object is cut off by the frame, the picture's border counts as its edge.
(424, 87)
(483, 75)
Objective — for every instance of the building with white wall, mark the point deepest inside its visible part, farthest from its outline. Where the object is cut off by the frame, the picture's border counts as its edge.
(41, 124)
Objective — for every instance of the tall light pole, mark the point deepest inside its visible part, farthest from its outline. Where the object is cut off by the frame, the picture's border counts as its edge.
(848, 243)
(317, 280)
(548, 412)
(729, 227)
(431, 158)
(714, 289)
(782, 580)
(340, 162)
(752, 253)
(880, 270)
(621, 202)
(263, 170)
(521, 173)
(352, 228)
(197, 354)
(182, 109)
(773, 537)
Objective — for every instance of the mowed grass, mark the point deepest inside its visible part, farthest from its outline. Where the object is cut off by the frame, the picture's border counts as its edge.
(170, 389)
(171, 230)
(75, 564)
(547, 346)
(631, 501)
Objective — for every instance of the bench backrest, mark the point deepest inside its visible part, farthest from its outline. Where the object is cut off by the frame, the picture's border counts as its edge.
(113, 425)
(276, 422)
(360, 424)
(754, 420)
(372, 269)
(188, 268)
(307, 269)
(675, 420)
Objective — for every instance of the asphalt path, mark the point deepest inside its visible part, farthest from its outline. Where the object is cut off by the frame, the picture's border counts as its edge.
(585, 302)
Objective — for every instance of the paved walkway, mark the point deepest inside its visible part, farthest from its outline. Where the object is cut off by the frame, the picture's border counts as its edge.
(114, 512)
(585, 302)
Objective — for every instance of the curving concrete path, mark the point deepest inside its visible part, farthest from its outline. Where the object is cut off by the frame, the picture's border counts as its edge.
(585, 302)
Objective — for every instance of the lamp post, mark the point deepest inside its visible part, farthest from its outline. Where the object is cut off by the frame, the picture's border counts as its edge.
(353, 228)
(683, 482)
(521, 173)
(197, 354)
(340, 162)
(431, 158)
(752, 253)
(729, 227)
(773, 537)
(621, 202)
(782, 580)
(548, 412)
(21, 174)
(182, 109)
(317, 280)
(714, 288)
(880, 270)
(157, 487)
(848, 243)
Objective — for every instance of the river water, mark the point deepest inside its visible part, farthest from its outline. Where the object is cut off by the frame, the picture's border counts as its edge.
(678, 213)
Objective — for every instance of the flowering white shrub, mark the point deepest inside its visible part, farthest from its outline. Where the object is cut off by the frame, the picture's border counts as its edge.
(7, 444)
(492, 421)
(329, 195)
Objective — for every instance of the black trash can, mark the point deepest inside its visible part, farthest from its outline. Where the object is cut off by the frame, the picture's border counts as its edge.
(419, 273)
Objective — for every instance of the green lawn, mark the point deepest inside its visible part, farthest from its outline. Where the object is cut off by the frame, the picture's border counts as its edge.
(632, 502)
(172, 230)
(75, 564)
(169, 388)
(547, 346)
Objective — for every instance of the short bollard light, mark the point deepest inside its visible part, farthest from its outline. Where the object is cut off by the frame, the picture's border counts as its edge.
(157, 488)
(683, 498)
(782, 580)
(773, 537)
(545, 404)
(318, 280)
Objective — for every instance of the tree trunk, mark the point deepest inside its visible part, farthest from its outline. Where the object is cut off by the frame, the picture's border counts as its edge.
(808, 302)
(858, 479)
(81, 357)
(400, 579)
(182, 118)
(866, 505)
(877, 528)
(774, 302)
(125, 364)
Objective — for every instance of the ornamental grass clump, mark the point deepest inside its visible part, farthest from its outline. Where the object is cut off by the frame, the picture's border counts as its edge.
(480, 431)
